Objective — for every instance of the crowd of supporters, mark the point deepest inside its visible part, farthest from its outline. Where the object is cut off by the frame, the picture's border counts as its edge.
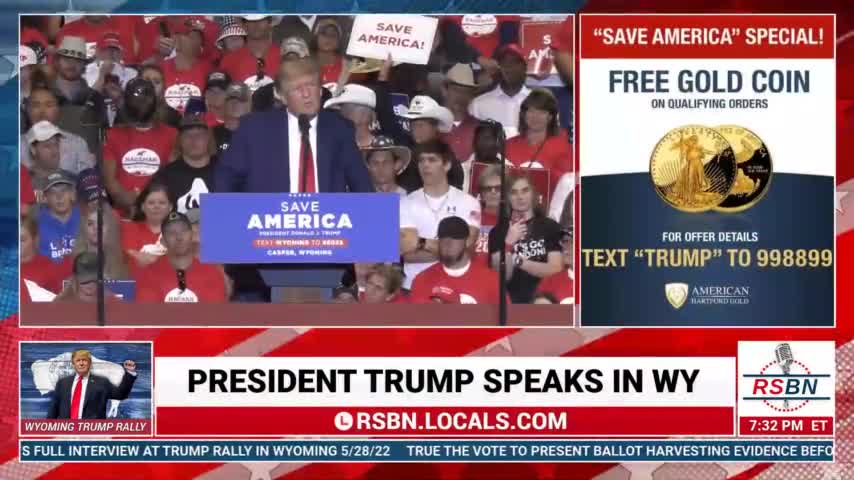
(157, 100)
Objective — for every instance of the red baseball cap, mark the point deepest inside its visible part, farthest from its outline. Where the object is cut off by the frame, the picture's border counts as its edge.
(110, 40)
(508, 48)
(188, 25)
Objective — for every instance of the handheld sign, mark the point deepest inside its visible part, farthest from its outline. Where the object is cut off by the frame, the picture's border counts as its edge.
(409, 38)
(535, 39)
(300, 227)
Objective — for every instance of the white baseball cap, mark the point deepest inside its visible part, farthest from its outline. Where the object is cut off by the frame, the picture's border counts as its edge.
(423, 106)
(42, 131)
(276, 19)
(26, 56)
(355, 94)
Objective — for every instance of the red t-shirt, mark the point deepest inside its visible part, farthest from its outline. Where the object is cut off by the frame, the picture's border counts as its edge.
(330, 73)
(137, 236)
(180, 85)
(482, 32)
(158, 282)
(242, 66)
(478, 284)
(45, 273)
(123, 26)
(32, 35)
(28, 195)
(560, 285)
(555, 155)
(138, 154)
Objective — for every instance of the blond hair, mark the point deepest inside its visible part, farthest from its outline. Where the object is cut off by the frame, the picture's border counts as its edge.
(296, 68)
(82, 352)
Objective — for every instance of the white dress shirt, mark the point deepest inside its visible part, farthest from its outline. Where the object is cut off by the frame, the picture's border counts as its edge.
(497, 105)
(294, 143)
(83, 391)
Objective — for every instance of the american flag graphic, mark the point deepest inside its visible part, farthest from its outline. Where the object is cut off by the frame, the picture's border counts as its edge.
(495, 342)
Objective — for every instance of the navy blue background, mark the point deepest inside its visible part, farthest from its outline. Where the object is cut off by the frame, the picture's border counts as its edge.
(138, 405)
(623, 211)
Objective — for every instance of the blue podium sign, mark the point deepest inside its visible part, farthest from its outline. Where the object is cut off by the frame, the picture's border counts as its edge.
(300, 227)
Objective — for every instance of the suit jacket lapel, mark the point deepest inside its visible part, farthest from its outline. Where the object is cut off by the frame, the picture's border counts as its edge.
(281, 131)
(90, 390)
(322, 160)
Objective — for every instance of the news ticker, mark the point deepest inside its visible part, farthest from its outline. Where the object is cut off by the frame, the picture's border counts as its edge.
(770, 389)
(427, 451)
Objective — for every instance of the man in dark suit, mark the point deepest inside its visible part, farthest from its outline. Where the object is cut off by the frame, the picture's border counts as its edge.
(85, 395)
(297, 149)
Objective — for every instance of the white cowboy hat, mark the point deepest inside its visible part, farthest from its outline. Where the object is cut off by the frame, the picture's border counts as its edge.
(423, 106)
(355, 94)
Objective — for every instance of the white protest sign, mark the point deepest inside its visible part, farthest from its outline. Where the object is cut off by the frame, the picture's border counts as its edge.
(409, 38)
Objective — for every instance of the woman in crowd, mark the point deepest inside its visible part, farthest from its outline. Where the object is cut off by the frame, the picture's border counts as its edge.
(541, 143)
(489, 195)
(115, 267)
(140, 239)
(163, 112)
(531, 239)
(327, 46)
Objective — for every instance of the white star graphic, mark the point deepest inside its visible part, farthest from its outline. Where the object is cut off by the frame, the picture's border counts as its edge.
(503, 342)
(840, 194)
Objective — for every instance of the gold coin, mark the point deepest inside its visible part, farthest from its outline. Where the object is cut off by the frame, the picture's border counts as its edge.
(693, 168)
(754, 169)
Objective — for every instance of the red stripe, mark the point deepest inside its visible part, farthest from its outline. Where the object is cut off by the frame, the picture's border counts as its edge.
(195, 342)
(390, 342)
(472, 421)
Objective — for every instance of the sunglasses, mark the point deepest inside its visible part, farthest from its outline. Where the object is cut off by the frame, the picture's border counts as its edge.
(490, 188)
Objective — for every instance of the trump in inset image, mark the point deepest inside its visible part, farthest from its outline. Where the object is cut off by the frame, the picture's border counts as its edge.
(85, 395)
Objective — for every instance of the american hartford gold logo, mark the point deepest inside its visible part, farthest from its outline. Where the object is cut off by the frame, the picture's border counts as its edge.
(676, 294)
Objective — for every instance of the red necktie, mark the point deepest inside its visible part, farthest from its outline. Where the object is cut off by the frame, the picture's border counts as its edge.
(306, 162)
(75, 398)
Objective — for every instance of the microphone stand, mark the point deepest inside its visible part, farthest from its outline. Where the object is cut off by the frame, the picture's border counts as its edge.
(503, 219)
(96, 119)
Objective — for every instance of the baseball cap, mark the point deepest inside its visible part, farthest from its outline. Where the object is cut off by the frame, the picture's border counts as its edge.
(445, 294)
(41, 131)
(189, 25)
(87, 185)
(58, 178)
(295, 45)
(275, 19)
(175, 217)
(85, 267)
(192, 120)
(217, 79)
(453, 227)
(109, 40)
(239, 91)
(508, 48)
(139, 86)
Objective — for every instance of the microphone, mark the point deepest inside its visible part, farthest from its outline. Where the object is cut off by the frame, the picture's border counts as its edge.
(784, 359)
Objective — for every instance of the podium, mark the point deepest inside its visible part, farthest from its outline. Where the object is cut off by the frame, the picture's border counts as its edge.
(314, 282)
(300, 244)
